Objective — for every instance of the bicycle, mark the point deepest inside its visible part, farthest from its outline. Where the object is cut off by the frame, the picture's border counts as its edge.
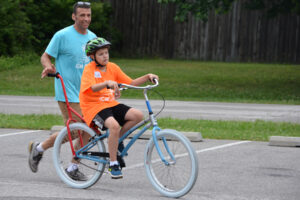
(170, 161)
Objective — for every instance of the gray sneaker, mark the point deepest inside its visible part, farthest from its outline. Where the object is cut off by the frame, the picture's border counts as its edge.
(34, 156)
(76, 175)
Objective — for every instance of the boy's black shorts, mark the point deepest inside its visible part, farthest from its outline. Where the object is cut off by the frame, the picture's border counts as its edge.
(118, 112)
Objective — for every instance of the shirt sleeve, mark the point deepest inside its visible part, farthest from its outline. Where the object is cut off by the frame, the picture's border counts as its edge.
(121, 77)
(54, 46)
(87, 79)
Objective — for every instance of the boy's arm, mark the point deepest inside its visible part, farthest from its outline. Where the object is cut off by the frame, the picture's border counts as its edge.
(99, 86)
(144, 79)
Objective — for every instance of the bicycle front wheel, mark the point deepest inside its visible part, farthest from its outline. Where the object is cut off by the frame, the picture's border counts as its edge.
(62, 156)
(178, 175)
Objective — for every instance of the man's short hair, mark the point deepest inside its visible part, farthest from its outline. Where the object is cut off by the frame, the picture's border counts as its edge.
(81, 4)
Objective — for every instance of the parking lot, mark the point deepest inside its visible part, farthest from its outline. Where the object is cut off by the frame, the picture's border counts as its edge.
(230, 170)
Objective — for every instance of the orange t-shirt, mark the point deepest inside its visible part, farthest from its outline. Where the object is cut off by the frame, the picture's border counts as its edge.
(91, 103)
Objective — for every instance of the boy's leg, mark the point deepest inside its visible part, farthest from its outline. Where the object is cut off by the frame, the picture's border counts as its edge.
(132, 117)
(113, 138)
(127, 118)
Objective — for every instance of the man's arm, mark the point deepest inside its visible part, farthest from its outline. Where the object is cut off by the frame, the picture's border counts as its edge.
(46, 63)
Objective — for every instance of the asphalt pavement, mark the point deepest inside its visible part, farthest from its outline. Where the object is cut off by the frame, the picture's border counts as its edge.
(228, 170)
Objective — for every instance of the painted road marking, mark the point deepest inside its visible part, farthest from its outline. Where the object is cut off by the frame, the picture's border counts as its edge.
(19, 133)
(199, 151)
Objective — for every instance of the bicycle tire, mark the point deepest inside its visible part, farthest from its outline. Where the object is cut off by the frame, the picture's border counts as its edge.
(62, 155)
(179, 177)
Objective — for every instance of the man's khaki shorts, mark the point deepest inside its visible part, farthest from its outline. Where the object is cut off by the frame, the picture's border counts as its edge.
(64, 112)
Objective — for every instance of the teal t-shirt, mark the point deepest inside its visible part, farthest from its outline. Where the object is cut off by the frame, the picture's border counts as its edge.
(68, 48)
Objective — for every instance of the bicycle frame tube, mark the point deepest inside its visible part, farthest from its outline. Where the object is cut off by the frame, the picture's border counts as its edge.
(88, 147)
(132, 141)
(151, 115)
(156, 129)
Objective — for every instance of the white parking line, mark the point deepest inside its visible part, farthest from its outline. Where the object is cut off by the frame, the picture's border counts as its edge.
(18, 133)
(222, 146)
(199, 151)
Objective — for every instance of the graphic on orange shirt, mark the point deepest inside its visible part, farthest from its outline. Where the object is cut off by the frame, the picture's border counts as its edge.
(107, 96)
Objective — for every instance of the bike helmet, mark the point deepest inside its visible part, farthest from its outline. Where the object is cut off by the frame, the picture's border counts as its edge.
(93, 45)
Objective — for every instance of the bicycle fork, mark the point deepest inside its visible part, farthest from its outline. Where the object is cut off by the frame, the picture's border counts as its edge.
(166, 146)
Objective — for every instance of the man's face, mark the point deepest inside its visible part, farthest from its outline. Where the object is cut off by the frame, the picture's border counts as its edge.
(102, 56)
(82, 18)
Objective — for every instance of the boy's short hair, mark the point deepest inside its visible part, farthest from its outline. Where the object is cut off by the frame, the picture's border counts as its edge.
(81, 4)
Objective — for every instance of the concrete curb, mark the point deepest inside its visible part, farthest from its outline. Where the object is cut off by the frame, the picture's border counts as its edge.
(284, 141)
(192, 136)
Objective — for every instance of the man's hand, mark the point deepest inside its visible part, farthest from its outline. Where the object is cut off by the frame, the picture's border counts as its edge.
(48, 70)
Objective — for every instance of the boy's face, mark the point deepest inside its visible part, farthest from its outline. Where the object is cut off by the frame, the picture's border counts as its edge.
(102, 56)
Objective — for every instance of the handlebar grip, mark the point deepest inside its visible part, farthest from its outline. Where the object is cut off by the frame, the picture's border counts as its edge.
(53, 75)
(119, 85)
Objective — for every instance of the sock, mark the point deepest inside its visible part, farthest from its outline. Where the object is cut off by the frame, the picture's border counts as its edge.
(72, 167)
(39, 148)
(112, 163)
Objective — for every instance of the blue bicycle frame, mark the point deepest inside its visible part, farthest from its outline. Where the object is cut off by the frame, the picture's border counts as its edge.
(84, 153)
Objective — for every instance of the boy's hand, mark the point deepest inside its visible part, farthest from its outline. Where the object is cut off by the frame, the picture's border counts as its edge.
(114, 85)
(152, 77)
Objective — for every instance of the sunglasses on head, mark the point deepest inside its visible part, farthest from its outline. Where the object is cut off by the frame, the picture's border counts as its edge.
(83, 3)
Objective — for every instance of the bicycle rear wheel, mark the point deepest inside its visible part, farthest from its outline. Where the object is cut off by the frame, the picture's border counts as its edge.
(179, 177)
(62, 155)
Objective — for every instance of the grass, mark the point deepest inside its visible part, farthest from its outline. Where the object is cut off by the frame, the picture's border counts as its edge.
(231, 130)
(179, 80)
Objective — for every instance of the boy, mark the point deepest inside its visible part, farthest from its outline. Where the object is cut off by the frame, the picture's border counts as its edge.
(97, 101)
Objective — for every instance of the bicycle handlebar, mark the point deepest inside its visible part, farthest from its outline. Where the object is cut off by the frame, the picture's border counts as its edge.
(125, 86)
(53, 74)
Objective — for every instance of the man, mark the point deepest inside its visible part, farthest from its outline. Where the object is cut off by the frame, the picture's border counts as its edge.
(68, 48)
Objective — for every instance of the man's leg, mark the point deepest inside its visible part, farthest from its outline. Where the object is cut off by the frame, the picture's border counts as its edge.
(36, 149)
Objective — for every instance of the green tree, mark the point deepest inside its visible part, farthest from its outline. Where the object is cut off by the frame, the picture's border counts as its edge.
(201, 8)
(16, 30)
(102, 26)
(28, 25)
